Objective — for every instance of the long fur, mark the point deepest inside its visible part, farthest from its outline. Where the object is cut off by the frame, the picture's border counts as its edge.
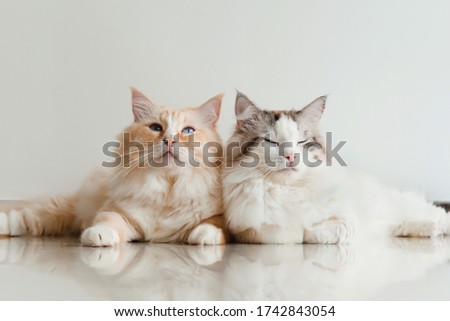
(296, 203)
(136, 201)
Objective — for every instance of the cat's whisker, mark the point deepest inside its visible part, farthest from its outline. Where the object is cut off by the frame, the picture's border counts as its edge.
(135, 189)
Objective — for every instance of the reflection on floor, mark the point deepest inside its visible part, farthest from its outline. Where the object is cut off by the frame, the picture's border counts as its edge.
(389, 269)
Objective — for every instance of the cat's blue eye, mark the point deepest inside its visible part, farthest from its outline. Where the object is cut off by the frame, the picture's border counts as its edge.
(188, 130)
(155, 127)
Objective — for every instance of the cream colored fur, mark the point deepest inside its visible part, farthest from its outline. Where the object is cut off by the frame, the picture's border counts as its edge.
(140, 203)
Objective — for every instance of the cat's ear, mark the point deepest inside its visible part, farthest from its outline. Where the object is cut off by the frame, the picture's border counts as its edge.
(210, 110)
(313, 111)
(245, 109)
(143, 108)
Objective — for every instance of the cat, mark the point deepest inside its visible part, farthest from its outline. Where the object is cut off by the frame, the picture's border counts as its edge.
(140, 199)
(273, 195)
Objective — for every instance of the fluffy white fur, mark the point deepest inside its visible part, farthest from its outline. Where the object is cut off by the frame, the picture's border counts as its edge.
(301, 204)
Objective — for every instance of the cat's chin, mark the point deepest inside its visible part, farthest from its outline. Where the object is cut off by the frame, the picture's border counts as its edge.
(284, 175)
(287, 170)
(171, 163)
(169, 160)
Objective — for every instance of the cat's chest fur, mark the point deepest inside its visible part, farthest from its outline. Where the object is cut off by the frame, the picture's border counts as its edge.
(262, 202)
(166, 206)
(283, 198)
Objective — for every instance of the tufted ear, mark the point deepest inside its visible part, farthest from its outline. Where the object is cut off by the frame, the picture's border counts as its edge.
(143, 108)
(313, 111)
(245, 109)
(210, 111)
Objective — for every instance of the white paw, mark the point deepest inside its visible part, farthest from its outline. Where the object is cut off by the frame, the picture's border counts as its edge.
(4, 224)
(206, 234)
(332, 231)
(17, 224)
(100, 236)
(417, 229)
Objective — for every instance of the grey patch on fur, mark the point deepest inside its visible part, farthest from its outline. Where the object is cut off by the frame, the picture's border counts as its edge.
(251, 131)
(237, 152)
(444, 205)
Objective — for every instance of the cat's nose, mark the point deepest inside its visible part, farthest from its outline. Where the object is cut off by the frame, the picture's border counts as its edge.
(169, 141)
(290, 157)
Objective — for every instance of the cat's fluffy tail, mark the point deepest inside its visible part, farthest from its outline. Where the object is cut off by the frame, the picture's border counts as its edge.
(49, 216)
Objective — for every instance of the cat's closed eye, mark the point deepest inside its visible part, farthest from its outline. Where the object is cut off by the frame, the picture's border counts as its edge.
(156, 127)
(270, 141)
(302, 142)
(188, 130)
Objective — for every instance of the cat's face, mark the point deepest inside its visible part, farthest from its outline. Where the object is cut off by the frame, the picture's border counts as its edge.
(161, 137)
(284, 143)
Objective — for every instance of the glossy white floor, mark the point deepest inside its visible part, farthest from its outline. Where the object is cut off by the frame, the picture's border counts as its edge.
(389, 269)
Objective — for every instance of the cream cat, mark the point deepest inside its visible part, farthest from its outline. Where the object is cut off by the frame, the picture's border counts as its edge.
(272, 195)
(140, 200)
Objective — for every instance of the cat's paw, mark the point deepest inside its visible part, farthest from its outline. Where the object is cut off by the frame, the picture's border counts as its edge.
(206, 234)
(336, 230)
(417, 228)
(100, 236)
(4, 224)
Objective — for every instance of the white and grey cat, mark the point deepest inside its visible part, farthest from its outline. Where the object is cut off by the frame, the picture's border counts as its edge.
(273, 196)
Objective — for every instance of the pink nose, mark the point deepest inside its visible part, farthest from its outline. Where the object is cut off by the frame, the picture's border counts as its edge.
(169, 141)
(290, 157)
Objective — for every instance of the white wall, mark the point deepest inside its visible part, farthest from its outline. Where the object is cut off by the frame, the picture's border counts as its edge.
(65, 68)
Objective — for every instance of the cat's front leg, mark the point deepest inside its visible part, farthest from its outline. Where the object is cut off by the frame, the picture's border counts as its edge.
(335, 230)
(209, 232)
(108, 229)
